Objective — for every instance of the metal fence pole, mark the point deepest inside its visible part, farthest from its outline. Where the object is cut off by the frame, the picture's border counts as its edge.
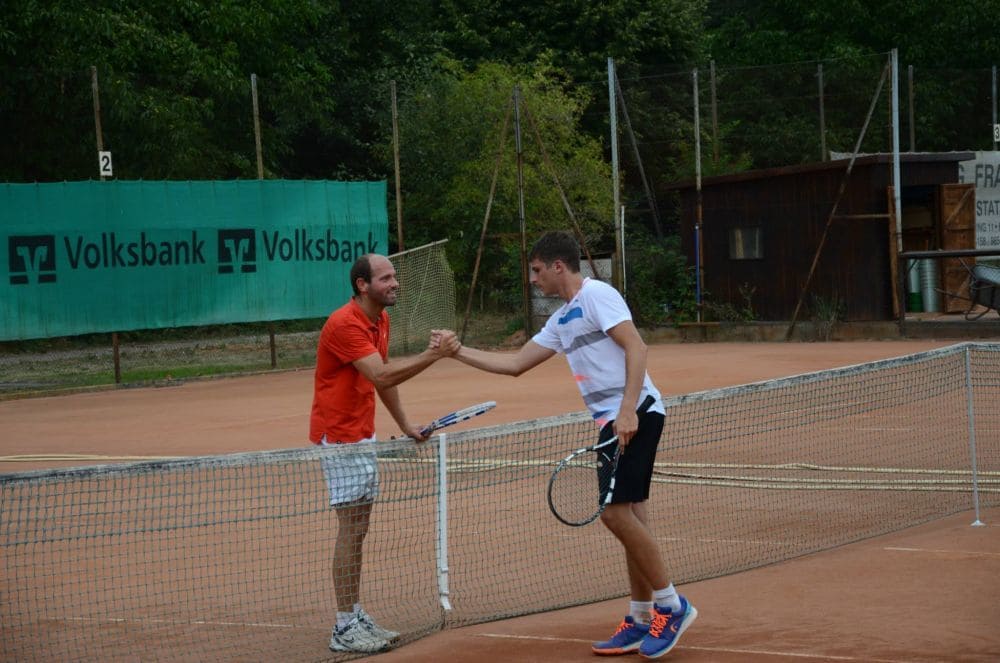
(970, 402)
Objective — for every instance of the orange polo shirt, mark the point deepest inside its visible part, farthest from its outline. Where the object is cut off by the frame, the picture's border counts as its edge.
(343, 399)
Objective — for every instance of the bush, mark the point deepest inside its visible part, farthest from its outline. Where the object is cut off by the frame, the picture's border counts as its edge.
(659, 284)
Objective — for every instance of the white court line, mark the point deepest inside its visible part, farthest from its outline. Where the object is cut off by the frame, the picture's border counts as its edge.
(756, 542)
(179, 622)
(967, 553)
(724, 650)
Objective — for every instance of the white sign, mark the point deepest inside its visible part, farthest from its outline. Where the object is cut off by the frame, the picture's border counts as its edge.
(984, 171)
(104, 164)
(996, 133)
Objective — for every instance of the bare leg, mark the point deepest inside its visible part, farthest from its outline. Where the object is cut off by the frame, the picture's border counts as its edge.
(646, 569)
(352, 523)
(641, 588)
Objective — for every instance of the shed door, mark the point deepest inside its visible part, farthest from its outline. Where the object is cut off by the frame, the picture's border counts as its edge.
(958, 231)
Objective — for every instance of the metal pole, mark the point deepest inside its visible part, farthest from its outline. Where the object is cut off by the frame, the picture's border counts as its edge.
(622, 226)
(525, 283)
(256, 127)
(115, 349)
(913, 126)
(823, 156)
(613, 120)
(272, 346)
(715, 115)
(972, 433)
(895, 151)
(395, 157)
(994, 104)
(442, 524)
(698, 243)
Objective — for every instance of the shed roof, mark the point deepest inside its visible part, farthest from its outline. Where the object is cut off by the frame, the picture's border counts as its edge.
(817, 166)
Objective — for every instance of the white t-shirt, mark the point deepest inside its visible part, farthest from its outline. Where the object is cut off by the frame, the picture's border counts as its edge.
(579, 329)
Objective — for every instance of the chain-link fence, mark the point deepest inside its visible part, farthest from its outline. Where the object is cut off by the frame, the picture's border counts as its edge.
(670, 125)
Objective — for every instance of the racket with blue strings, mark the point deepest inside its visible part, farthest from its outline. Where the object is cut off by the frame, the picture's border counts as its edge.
(457, 416)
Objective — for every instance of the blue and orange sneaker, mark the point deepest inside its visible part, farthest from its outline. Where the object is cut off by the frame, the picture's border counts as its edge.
(666, 629)
(626, 639)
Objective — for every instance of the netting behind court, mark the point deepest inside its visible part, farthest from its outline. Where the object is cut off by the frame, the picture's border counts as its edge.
(228, 557)
(426, 297)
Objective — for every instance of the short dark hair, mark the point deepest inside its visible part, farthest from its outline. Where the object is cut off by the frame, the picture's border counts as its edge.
(557, 245)
(361, 269)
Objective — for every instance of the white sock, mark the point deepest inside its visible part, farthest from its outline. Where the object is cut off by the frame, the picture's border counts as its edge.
(667, 598)
(640, 611)
(344, 618)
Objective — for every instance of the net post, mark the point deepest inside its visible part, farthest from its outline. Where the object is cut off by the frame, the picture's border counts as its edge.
(972, 433)
(442, 523)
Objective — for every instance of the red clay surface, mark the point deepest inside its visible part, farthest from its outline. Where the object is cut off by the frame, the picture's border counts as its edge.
(930, 593)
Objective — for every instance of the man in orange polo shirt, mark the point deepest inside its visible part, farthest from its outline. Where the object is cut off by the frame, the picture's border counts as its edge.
(351, 365)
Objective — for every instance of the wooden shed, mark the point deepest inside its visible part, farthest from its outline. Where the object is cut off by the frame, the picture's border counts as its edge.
(760, 231)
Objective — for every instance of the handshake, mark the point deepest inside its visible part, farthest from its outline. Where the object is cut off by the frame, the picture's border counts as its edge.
(443, 343)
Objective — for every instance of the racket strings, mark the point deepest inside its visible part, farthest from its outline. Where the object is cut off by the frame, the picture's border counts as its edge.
(579, 488)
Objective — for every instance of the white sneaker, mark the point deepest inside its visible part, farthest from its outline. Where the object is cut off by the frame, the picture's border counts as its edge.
(357, 637)
(376, 630)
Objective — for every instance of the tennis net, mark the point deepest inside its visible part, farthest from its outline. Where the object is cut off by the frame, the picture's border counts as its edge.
(426, 299)
(229, 557)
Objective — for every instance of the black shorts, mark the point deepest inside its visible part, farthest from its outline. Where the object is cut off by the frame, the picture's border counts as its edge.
(635, 466)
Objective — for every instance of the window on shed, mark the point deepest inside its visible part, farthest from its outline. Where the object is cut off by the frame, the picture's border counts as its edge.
(745, 243)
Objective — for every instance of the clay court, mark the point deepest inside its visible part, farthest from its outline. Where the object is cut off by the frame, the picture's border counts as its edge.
(928, 593)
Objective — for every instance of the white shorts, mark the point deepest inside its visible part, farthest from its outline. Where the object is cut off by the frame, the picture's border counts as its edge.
(351, 477)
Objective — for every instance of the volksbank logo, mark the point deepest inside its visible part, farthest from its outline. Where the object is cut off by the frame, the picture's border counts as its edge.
(32, 259)
(237, 250)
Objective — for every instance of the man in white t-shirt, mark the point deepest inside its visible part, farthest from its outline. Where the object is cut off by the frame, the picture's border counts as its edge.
(594, 329)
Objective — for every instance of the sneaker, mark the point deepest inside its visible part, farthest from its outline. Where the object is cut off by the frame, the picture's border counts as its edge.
(376, 630)
(626, 639)
(666, 629)
(355, 636)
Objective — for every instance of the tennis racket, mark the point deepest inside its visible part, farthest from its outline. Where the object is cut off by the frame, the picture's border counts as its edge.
(457, 416)
(573, 499)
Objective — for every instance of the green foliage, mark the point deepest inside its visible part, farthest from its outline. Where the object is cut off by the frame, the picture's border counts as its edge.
(728, 312)
(577, 37)
(853, 40)
(659, 284)
(826, 313)
(450, 139)
(173, 80)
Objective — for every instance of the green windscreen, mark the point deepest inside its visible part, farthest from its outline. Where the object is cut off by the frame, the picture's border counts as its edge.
(81, 257)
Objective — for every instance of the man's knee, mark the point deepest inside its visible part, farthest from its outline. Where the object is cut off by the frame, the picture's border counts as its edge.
(617, 516)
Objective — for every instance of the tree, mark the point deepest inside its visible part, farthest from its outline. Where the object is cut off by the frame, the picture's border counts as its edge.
(945, 42)
(174, 84)
(450, 137)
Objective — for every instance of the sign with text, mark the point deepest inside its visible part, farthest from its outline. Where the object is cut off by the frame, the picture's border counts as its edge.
(984, 172)
(83, 257)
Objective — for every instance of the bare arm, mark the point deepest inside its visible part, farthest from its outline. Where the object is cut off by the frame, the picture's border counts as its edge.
(385, 374)
(627, 336)
(390, 398)
(530, 355)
